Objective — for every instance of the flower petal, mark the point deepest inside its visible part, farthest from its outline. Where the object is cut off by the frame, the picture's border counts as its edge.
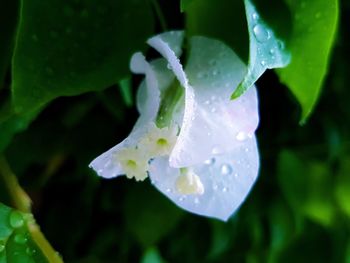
(166, 44)
(213, 124)
(158, 76)
(227, 180)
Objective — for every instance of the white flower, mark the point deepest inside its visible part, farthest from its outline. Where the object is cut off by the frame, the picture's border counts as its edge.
(197, 146)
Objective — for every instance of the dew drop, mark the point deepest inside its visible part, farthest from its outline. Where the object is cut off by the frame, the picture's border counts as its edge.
(16, 219)
(210, 161)
(168, 190)
(30, 251)
(215, 150)
(213, 109)
(215, 72)
(241, 136)
(196, 201)
(215, 187)
(226, 169)
(169, 66)
(263, 63)
(20, 239)
(224, 190)
(207, 102)
(280, 44)
(261, 34)
(2, 246)
(255, 16)
(272, 51)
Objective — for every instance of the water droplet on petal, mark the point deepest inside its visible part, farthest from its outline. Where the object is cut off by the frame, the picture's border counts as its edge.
(169, 66)
(213, 109)
(224, 190)
(263, 63)
(255, 16)
(226, 169)
(210, 161)
(215, 150)
(207, 102)
(20, 239)
(196, 201)
(241, 136)
(261, 34)
(272, 51)
(16, 219)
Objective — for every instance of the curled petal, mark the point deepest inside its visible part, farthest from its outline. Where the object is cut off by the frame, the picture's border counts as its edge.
(210, 116)
(226, 180)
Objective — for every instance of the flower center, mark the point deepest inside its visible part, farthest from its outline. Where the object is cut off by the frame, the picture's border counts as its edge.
(162, 142)
(131, 164)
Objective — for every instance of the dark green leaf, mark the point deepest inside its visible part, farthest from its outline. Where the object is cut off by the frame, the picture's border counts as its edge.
(8, 22)
(306, 187)
(67, 47)
(315, 25)
(342, 189)
(184, 4)
(223, 20)
(157, 214)
(12, 123)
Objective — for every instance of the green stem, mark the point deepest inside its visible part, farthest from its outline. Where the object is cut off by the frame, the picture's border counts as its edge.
(17, 198)
(21, 201)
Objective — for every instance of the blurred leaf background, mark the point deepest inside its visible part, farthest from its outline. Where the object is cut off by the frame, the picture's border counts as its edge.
(299, 209)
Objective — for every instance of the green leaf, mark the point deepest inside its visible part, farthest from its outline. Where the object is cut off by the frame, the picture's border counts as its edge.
(266, 51)
(12, 123)
(65, 47)
(224, 20)
(19, 240)
(8, 22)
(184, 4)
(315, 25)
(342, 188)
(306, 186)
(152, 256)
(153, 211)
